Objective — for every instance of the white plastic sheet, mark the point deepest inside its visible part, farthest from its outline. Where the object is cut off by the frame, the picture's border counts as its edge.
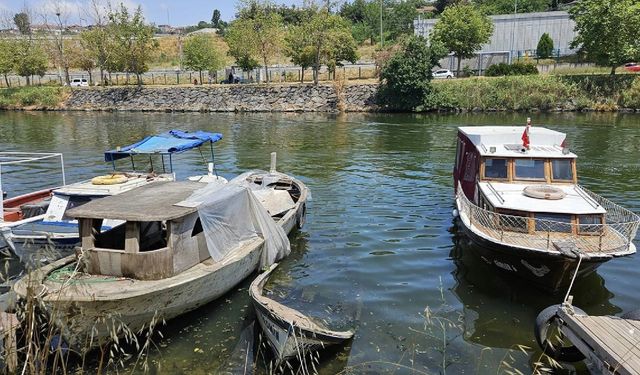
(231, 214)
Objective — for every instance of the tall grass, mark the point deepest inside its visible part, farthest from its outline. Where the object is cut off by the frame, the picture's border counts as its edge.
(34, 96)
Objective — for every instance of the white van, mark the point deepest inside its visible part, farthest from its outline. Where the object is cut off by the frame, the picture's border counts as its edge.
(79, 82)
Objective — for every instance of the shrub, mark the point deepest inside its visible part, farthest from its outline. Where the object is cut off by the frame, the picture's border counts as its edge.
(630, 97)
(515, 69)
(545, 47)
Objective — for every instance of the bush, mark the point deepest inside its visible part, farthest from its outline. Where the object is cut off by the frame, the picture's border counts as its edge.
(515, 69)
(45, 96)
(630, 97)
(545, 47)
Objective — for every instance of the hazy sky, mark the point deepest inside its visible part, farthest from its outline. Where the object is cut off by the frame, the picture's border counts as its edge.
(177, 12)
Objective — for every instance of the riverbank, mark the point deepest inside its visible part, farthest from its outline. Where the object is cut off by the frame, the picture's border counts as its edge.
(547, 93)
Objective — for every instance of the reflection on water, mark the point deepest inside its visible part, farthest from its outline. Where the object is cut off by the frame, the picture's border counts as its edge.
(377, 252)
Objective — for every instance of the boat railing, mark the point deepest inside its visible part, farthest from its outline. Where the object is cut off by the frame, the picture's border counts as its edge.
(614, 235)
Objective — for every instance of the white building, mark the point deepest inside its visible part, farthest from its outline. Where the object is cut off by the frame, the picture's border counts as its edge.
(518, 34)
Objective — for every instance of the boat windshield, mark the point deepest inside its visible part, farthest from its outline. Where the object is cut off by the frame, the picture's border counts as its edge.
(530, 169)
(561, 169)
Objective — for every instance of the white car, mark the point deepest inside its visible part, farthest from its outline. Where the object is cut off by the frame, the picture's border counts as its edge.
(442, 73)
(79, 82)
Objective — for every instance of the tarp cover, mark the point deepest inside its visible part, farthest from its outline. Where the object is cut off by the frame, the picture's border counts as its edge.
(231, 214)
(166, 143)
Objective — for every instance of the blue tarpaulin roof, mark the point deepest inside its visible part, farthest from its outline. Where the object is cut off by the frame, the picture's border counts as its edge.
(170, 142)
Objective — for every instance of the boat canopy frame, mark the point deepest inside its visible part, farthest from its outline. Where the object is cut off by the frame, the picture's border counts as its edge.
(166, 144)
(17, 157)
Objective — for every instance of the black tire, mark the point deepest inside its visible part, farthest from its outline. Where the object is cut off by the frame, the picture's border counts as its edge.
(632, 315)
(545, 319)
(303, 217)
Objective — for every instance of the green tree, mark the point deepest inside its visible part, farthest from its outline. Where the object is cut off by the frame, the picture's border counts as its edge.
(258, 34)
(607, 30)
(200, 54)
(30, 59)
(98, 44)
(80, 57)
(509, 6)
(22, 23)
(405, 79)
(545, 46)
(462, 29)
(215, 18)
(298, 48)
(7, 57)
(237, 36)
(133, 41)
(327, 41)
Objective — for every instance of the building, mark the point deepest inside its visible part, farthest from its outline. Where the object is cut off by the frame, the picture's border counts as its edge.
(517, 35)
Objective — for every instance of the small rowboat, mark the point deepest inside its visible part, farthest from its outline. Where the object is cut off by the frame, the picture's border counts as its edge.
(289, 332)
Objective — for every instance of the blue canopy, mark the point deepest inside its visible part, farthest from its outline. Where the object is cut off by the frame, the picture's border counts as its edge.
(170, 142)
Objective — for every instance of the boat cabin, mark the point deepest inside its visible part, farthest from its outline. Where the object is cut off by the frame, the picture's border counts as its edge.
(156, 238)
(535, 185)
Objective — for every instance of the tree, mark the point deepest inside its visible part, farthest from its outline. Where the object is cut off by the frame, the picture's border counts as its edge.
(462, 29)
(298, 48)
(30, 59)
(405, 79)
(22, 23)
(258, 34)
(545, 47)
(327, 41)
(607, 30)
(200, 54)
(7, 57)
(243, 52)
(98, 44)
(215, 19)
(133, 41)
(80, 57)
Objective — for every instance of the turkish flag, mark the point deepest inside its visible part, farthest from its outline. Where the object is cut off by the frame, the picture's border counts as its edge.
(525, 137)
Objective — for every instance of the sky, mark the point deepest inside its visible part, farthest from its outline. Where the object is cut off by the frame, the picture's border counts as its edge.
(174, 12)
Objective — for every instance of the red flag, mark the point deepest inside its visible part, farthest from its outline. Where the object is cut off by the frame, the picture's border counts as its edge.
(525, 134)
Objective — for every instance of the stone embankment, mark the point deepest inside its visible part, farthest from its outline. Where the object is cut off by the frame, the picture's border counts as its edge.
(227, 98)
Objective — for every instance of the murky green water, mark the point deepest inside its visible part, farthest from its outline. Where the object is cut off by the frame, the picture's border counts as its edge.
(379, 245)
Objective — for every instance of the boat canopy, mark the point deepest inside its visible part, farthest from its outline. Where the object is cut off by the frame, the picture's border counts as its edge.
(173, 141)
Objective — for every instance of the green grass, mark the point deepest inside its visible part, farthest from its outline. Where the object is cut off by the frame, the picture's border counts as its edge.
(35, 96)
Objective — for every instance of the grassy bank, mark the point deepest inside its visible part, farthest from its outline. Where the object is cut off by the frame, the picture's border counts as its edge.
(539, 92)
(35, 97)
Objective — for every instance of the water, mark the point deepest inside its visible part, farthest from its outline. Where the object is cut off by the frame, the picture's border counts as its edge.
(379, 246)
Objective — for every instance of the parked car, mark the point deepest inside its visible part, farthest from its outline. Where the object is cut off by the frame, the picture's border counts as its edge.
(442, 73)
(79, 82)
(632, 67)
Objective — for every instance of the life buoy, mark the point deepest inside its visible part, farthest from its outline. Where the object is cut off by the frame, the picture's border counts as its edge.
(112, 179)
(544, 192)
(544, 320)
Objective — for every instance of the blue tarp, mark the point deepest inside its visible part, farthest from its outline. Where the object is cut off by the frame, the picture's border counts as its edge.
(170, 142)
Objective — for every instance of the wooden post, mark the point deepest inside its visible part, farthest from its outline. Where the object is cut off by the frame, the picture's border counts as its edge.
(86, 226)
(132, 237)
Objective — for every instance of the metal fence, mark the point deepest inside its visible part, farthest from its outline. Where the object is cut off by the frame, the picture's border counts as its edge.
(615, 235)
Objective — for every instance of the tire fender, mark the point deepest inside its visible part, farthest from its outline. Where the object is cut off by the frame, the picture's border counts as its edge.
(543, 321)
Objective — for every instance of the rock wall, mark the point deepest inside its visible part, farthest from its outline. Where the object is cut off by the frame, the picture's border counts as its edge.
(227, 98)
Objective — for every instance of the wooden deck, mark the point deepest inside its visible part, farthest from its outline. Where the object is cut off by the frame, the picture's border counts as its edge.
(611, 343)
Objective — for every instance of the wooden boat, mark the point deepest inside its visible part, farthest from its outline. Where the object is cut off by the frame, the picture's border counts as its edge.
(54, 234)
(518, 200)
(182, 245)
(289, 332)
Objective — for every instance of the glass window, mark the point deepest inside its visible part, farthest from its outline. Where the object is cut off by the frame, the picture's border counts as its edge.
(553, 223)
(561, 169)
(495, 168)
(590, 223)
(529, 168)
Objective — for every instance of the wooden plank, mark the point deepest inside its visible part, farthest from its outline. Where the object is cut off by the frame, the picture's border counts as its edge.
(608, 342)
(132, 237)
(626, 345)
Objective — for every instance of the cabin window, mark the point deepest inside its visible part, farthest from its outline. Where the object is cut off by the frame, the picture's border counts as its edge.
(561, 169)
(495, 168)
(546, 222)
(530, 169)
(590, 224)
(514, 221)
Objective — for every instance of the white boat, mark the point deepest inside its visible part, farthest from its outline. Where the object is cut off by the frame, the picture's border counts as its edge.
(182, 245)
(54, 234)
(519, 201)
(289, 332)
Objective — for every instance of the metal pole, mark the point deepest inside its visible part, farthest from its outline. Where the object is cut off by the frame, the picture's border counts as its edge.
(213, 160)
(381, 37)
(64, 179)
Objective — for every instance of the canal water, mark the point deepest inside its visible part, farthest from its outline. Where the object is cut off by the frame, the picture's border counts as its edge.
(379, 252)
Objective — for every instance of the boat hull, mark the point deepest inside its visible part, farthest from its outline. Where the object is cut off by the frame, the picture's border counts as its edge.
(546, 270)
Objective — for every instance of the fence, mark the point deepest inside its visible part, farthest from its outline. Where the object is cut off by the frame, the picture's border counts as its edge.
(276, 74)
(615, 235)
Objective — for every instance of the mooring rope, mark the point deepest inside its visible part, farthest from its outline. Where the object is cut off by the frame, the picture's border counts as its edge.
(566, 297)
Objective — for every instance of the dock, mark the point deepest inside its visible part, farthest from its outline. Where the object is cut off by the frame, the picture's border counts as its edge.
(611, 344)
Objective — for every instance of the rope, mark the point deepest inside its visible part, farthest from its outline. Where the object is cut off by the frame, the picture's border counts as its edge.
(566, 297)
(65, 274)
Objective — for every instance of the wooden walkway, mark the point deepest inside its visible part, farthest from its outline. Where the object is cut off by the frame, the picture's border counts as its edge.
(611, 343)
